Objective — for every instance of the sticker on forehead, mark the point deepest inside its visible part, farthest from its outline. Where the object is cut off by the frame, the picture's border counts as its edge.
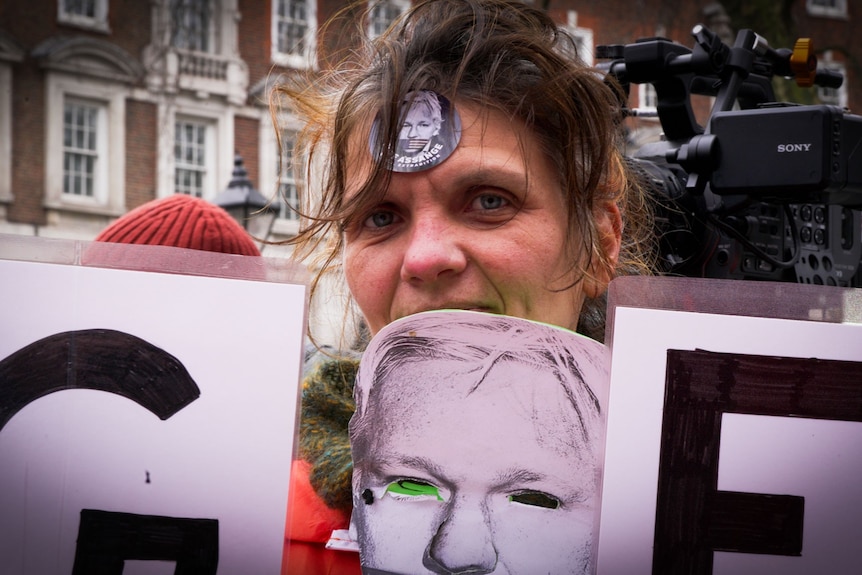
(430, 131)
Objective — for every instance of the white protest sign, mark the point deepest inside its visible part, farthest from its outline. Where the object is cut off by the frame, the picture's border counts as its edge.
(87, 463)
(734, 430)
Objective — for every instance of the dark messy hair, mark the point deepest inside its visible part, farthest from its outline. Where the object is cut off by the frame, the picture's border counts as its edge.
(499, 55)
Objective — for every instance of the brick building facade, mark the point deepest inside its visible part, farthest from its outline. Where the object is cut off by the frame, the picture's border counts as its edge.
(153, 76)
(106, 104)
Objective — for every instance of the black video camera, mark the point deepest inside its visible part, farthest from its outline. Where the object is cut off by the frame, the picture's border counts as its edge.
(766, 190)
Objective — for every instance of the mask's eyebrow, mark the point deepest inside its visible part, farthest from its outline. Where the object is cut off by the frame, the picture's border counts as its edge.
(398, 461)
(517, 476)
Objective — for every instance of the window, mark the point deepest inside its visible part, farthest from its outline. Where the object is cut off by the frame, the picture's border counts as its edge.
(383, 13)
(833, 96)
(83, 171)
(583, 37)
(277, 180)
(192, 158)
(647, 99)
(85, 124)
(195, 149)
(10, 52)
(294, 27)
(84, 13)
(192, 25)
(193, 50)
(83, 8)
(828, 8)
(82, 144)
(287, 184)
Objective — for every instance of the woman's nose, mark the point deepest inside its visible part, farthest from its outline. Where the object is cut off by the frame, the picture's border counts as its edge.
(462, 544)
(433, 252)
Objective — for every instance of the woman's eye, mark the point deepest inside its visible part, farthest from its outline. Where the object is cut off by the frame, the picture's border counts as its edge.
(380, 220)
(535, 499)
(413, 489)
(489, 202)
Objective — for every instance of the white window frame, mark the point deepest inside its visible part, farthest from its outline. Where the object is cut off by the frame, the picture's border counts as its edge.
(99, 21)
(583, 37)
(9, 53)
(270, 178)
(647, 100)
(93, 179)
(834, 9)
(835, 97)
(220, 137)
(287, 176)
(6, 133)
(219, 72)
(306, 58)
(223, 29)
(109, 186)
(400, 6)
(207, 165)
(208, 35)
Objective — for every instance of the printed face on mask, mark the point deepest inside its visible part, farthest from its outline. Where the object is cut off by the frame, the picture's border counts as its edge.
(494, 478)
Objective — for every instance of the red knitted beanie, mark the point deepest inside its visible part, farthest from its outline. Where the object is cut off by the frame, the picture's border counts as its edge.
(181, 221)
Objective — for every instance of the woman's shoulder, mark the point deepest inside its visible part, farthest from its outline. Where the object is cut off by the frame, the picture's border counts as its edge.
(317, 356)
(328, 371)
(326, 408)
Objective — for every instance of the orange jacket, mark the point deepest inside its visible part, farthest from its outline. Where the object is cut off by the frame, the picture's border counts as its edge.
(309, 524)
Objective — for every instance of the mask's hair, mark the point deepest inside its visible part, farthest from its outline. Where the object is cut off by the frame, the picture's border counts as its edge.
(476, 347)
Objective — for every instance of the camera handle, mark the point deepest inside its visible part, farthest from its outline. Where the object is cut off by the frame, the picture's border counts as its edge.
(738, 82)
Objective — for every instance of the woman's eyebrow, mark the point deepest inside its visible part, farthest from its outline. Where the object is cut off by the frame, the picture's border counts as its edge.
(496, 175)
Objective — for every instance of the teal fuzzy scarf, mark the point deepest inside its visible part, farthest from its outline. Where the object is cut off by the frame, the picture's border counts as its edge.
(327, 404)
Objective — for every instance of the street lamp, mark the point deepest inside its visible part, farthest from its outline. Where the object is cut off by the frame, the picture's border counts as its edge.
(246, 205)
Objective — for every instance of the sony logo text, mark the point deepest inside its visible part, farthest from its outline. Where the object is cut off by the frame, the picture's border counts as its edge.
(783, 148)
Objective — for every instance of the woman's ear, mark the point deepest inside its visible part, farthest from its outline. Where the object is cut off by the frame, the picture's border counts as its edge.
(606, 251)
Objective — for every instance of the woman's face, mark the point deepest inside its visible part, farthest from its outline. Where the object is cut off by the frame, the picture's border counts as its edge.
(484, 230)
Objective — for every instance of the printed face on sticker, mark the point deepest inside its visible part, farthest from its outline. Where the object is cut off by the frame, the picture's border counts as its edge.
(477, 470)
(422, 122)
(430, 130)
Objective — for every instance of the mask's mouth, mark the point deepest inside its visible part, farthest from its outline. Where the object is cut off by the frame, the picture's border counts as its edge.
(415, 144)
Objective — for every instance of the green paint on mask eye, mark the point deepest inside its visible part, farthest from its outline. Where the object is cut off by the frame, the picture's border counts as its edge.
(413, 489)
